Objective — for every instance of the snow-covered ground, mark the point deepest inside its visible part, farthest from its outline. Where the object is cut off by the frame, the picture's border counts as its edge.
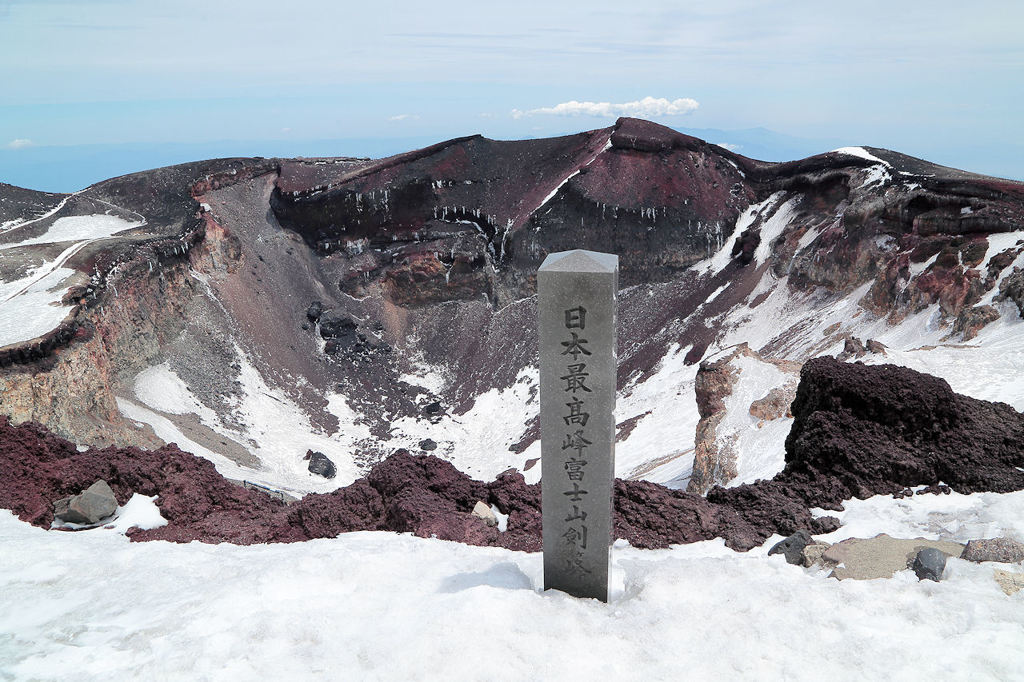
(30, 306)
(92, 606)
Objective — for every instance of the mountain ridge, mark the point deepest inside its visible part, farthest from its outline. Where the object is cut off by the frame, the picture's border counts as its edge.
(423, 264)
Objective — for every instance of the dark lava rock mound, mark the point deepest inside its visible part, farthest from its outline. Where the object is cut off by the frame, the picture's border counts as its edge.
(864, 430)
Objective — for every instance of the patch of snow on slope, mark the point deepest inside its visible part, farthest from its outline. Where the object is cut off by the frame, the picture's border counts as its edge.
(760, 447)
(274, 429)
(478, 441)
(426, 376)
(773, 227)
(197, 611)
(724, 255)
(990, 295)
(166, 431)
(874, 174)
(30, 307)
(79, 228)
(280, 433)
(917, 268)
(660, 446)
(997, 243)
(988, 367)
(797, 318)
(861, 153)
(159, 388)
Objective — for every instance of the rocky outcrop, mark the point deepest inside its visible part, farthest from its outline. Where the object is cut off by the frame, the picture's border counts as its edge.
(867, 430)
(713, 463)
(727, 384)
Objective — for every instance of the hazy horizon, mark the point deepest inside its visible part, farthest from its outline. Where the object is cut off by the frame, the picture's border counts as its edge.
(926, 79)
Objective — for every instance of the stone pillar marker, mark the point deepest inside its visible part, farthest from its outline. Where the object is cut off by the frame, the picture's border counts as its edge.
(576, 299)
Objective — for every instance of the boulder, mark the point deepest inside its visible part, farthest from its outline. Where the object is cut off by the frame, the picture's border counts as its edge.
(994, 549)
(427, 444)
(880, 556)
(314, 311)
(812, 553)
(89, 507)
(792, 547)
(320, 464)
(928, 564)
(483, 512)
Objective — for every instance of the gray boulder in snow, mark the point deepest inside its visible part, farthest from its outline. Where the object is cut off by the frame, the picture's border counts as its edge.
(321, 465)
(994, 549)
(793, 547)
(91, 506)
(929, 564)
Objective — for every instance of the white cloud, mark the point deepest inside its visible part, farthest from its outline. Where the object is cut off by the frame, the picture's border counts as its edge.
(648, 107)
(19, 143)
(403, 117)
(730, 146)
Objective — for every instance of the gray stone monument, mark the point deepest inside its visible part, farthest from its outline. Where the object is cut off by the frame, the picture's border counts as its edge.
(577, 292)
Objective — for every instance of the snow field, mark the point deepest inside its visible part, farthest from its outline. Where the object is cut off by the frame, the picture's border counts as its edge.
(78, 228)
(30, 307)
(667, 430)
(392, 606)
(275, 429)
(477, 442)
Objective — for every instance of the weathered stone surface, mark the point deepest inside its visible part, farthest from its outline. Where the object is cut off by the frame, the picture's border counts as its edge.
(792, 547)
(1010, 583)
(576, 299)
(1005, 550)
(713, 461)
(928, 564)
(812, 554)
(774, 405)
(483, 511)
(717, 380)
(91, 506)
(321, 465)
(880, 556)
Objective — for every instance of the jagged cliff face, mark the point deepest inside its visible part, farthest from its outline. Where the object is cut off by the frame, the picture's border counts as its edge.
(182, 297)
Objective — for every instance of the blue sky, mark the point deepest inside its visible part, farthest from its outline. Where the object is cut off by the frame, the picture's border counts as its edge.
(112, 86)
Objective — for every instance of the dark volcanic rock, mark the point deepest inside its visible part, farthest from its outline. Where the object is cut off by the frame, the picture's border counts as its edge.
(861, 430)
(314, 311)
(929, 564)
(337, 326)
(792, 547)
(320, 464)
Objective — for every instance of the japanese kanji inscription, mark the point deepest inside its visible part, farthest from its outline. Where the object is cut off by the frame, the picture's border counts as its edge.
(577, 293)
